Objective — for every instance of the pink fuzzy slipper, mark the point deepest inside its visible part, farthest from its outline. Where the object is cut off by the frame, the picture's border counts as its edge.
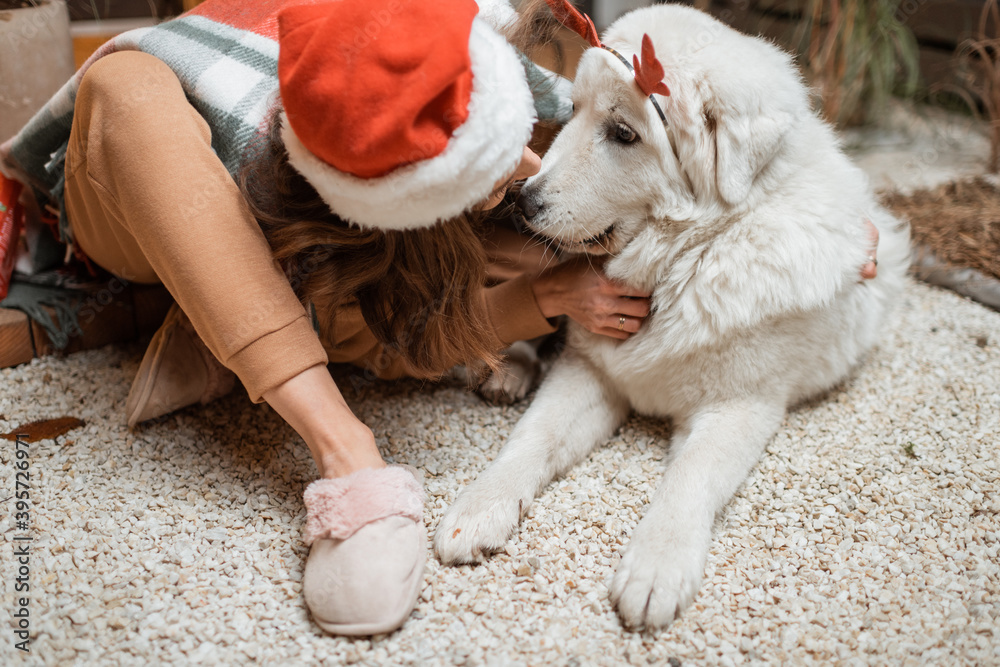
(337, 508)
(369, 544)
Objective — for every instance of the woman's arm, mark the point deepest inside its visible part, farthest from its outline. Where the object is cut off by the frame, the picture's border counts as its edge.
(312, 404)
(577, 288)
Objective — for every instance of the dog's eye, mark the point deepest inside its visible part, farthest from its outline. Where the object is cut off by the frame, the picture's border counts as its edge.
(625, 134)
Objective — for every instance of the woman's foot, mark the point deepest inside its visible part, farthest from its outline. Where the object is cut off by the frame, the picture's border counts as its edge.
(368, 546)
(177, 370)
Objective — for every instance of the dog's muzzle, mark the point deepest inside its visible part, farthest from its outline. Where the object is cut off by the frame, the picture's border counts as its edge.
(530, 204)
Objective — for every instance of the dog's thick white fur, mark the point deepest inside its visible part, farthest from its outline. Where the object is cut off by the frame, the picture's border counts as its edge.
(746, 221)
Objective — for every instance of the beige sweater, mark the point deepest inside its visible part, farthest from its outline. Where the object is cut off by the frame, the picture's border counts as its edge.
(150, 201)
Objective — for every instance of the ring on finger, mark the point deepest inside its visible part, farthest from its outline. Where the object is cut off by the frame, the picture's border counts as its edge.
(621, 323)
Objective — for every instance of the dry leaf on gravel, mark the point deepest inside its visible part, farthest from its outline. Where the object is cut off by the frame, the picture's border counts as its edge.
(44, 429)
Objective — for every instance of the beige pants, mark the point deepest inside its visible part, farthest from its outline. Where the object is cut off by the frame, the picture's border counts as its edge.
(148, 200)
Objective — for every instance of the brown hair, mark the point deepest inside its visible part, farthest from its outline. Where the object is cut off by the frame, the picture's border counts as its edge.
(535, 26)
(420, 290)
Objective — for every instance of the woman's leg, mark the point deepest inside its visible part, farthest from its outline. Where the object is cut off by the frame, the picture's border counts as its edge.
(147, 195)
(149, 200)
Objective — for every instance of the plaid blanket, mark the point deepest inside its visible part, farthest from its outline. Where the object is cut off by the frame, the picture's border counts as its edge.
(225, 53)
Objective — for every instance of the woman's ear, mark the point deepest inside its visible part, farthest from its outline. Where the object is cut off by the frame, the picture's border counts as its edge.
(744, 146)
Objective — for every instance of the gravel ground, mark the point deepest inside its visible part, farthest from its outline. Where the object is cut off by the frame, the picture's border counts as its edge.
(868, 534)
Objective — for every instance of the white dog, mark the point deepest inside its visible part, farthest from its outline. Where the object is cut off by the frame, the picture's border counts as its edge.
(746, 221)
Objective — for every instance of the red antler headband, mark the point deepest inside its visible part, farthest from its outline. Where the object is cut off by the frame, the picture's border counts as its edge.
(576, 21)
(648, 70)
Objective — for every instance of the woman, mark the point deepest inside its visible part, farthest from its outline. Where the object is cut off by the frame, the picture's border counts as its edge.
(398, 122)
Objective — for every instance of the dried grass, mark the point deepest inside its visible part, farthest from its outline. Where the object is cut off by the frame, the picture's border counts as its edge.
(856, 53)
(960, 221)
(979, 73)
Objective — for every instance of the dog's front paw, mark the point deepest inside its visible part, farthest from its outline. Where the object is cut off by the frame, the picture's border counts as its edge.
(479, 523)
(658, 577)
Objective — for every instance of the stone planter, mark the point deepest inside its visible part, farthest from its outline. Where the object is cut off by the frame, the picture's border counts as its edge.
(36, 59)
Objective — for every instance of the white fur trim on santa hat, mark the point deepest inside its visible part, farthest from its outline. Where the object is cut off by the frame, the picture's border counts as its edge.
(486, 148)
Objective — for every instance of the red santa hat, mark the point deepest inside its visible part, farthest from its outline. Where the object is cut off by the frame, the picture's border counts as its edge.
(400, 113)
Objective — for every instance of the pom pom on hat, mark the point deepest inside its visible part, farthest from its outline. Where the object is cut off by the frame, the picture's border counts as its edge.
(400, 113)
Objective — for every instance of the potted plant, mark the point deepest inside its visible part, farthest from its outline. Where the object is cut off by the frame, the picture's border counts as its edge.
(856, 53)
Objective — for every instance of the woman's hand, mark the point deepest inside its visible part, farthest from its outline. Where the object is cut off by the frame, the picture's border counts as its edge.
(578, 288)
(870, 269)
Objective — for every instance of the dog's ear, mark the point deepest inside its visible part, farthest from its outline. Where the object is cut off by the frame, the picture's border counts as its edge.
(744, 146)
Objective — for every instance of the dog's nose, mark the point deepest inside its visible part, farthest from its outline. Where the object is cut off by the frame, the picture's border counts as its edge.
(529, 202)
